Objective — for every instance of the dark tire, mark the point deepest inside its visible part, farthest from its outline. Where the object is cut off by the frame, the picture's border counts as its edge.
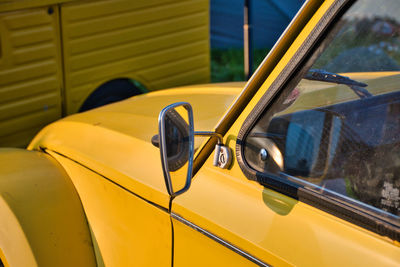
(110, 92)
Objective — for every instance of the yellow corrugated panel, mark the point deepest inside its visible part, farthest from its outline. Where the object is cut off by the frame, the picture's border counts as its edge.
(160, 43)
(12, 5)
(30, 73)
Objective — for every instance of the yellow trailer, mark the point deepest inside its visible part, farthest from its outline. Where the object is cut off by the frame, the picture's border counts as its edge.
(58, 57)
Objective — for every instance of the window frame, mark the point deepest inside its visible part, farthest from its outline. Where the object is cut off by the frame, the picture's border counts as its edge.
(361, 214)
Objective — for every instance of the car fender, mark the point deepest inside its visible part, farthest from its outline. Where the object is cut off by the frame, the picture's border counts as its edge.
(42, 220)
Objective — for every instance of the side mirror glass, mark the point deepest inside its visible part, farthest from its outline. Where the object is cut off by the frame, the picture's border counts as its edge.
(176, 142)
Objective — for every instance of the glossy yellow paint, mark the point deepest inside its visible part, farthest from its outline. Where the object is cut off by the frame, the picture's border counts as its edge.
(120, 149)
(199, 248)
(128, 230)
(268, 225)
(42, 220)
(3, 259)
(117, 173)
(55, 53)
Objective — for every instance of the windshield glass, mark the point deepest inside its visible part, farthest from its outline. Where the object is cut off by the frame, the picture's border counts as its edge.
(339, 128)
(367, 39)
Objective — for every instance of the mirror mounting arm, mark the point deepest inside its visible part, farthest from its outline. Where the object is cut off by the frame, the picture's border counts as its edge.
(212, 134)
(155, 140)
(223, 154)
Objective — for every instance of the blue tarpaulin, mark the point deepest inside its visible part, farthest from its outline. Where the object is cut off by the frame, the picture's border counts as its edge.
(270, 18)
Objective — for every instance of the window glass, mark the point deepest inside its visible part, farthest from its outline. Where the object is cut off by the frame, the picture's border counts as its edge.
(338, 130)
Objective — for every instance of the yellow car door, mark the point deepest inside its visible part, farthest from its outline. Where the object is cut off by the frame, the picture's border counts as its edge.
(314, 179)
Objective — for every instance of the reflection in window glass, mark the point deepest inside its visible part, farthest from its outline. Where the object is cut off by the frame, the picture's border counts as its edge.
(339, 128)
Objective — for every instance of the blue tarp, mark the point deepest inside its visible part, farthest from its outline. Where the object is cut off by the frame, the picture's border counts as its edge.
(270, 18)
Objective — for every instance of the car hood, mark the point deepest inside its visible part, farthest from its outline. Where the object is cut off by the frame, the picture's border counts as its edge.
(115, 140)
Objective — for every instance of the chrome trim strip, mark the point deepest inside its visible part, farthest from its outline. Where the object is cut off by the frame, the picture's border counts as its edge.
(221, 241)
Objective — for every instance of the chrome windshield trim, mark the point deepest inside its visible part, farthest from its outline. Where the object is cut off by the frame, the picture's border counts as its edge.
(220, 241)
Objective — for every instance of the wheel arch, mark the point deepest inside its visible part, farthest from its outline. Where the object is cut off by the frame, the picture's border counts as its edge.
(42, 219)
(135, 84)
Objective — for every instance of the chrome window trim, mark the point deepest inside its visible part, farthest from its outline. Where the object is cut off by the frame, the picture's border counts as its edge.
(220, 241)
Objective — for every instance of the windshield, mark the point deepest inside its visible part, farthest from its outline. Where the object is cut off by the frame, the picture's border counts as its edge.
(366, 40)
(338, 129)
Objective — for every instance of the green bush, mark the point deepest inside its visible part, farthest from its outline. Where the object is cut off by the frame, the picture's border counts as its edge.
(227, 64)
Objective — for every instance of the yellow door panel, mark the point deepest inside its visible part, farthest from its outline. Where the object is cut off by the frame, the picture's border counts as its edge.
(146, 41)
(128, 230)
(271, 226)
(30, 73)
(196, 250)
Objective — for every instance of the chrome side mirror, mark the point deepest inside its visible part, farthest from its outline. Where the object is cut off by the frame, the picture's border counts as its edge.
(176, 142)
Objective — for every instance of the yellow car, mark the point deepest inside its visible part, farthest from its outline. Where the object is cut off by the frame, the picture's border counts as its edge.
(301, 167)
